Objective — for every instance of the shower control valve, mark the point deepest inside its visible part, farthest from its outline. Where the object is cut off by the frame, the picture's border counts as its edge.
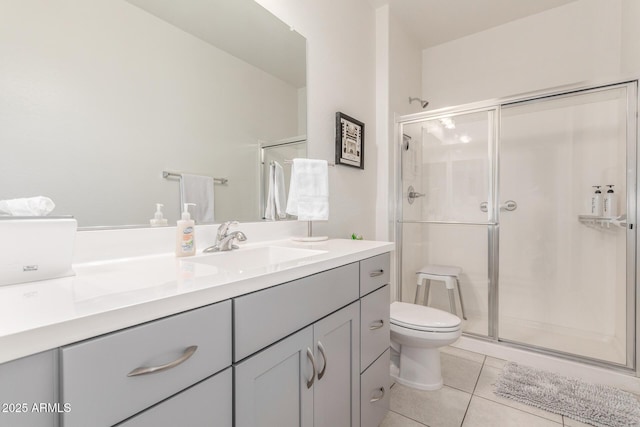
(413, 195)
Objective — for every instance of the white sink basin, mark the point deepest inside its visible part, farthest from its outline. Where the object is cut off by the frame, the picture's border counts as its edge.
(264, 258)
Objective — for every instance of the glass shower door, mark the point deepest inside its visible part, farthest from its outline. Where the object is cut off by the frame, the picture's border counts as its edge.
(447, 164)
(566, 274)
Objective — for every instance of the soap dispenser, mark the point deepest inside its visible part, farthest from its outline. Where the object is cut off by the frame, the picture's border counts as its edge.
(185, 234)
(158, 219)
(610, 208)
(596, 202)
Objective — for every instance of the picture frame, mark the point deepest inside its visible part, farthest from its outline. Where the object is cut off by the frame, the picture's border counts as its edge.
(349, 141)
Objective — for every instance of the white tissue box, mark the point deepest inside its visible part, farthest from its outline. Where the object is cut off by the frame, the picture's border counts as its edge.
(36, 249)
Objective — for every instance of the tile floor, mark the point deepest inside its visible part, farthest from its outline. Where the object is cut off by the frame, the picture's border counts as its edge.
(467, 399)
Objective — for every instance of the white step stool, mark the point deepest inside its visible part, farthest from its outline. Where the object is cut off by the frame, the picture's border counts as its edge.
(442, 273)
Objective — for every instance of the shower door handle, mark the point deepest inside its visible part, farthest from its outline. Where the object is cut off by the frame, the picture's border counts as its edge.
(509, 205)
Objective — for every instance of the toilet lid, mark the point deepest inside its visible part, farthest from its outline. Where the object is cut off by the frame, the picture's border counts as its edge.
(423, 318)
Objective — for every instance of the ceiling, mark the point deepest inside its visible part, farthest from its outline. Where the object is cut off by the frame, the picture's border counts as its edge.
(432, 22)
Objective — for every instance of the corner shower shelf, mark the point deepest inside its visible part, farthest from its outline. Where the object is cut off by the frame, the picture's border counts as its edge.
(603, 221)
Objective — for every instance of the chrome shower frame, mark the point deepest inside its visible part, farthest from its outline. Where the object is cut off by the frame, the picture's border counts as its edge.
(493, 107)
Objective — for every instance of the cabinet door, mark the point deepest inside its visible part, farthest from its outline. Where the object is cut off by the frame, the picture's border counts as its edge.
(206, 404)
(27, 391)
(274, 388)
(337, 388)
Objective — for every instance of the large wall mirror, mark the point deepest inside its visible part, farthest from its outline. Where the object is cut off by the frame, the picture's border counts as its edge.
(98, 98)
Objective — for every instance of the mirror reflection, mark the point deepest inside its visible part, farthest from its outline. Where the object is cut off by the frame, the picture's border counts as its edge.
(99, 98)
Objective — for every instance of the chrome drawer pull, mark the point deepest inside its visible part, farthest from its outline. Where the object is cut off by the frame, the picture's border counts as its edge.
(324, 356)
(376, 325)
(376, 273)
(144, 370)
(313, 366)
(375, 399)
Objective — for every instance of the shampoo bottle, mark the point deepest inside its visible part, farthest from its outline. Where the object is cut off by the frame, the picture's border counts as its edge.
(158, 219)
(596, 202)
(610, 208)
(185, 234)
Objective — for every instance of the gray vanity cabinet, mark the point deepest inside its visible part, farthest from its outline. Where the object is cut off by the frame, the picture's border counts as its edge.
(113, 377)
(28, 391)
(310, 378)
(206, 404)
(336, 394)
(271, 388)
(375, 380)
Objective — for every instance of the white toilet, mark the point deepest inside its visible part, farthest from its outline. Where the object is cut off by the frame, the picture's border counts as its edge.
(417, 333)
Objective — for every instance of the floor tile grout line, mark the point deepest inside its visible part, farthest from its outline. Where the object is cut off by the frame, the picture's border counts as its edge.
(473, 391)
(409, 418)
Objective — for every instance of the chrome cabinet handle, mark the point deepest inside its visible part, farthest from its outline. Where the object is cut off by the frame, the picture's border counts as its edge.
(324, 356)
(145, 370)
(313, 366)
(376, 273)
(375, 399)
(376, 325)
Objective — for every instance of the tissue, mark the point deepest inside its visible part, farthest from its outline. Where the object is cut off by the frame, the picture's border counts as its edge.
(30, 206)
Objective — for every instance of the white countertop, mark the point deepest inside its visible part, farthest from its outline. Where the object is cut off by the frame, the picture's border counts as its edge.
(109, 295)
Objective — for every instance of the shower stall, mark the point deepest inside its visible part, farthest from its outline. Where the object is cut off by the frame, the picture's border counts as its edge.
(503, 190)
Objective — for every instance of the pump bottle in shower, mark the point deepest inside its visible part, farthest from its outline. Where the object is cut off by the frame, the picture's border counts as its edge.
(610, 208)
(596, 202)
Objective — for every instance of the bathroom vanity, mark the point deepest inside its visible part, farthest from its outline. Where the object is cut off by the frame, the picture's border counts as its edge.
(283, 334)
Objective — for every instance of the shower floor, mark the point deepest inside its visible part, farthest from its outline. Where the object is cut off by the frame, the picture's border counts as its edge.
(553, 337)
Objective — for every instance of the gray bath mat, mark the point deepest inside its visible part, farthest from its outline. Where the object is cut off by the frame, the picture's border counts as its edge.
(594, 404)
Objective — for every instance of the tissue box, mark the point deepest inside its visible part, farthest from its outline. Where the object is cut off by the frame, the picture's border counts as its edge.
(36, 249)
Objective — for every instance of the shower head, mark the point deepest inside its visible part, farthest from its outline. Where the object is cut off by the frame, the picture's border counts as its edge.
(421, 101)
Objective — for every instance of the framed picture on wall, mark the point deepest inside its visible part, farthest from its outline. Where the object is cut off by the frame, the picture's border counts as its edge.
(349, 141)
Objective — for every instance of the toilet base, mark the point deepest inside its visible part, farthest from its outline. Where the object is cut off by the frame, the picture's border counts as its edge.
(418, 386)
(419, 368)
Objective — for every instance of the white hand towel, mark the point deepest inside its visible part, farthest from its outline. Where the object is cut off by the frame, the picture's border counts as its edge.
(279, 195)
(270, 209)
(198, 189)
(276, 196)
(309, 190)
(30, 206)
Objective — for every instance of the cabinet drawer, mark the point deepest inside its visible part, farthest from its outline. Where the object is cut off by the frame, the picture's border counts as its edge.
(375, 384)
(266, 316)
(374, 272)
(95, 377)
(374, 326)
(208, 403)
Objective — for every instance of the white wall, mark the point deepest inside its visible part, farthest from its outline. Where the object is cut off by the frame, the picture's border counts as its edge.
(340, 77)
(580, 41)
(99, 97)
(398, 77)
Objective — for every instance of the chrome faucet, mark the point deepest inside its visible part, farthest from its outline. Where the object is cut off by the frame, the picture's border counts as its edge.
(224, 240)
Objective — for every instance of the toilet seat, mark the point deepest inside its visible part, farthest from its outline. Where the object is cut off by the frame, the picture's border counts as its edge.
(422, 318)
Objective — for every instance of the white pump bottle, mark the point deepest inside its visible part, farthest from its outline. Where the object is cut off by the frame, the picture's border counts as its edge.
(158, 219)
(185, 234)
(610, 205)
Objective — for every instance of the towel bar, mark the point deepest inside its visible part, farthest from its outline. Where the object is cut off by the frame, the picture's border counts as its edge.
(166, 174)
